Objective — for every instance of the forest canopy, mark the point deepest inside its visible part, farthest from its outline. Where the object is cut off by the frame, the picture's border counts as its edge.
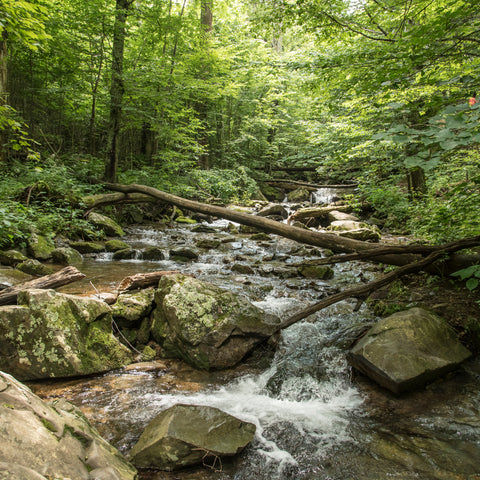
(209, 99)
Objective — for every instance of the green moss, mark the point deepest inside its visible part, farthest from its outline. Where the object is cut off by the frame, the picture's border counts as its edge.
(48, 425)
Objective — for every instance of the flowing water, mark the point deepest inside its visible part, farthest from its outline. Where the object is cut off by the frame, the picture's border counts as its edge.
(314, 418)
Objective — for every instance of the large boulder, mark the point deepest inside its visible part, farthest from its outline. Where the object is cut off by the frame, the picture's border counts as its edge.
(40, 441)
(205, 325)
(49, 334)
(67, 256)
(11, 257)
(185, 435)
(407, 350)
(109, 226)
(273, 209)
(301, 194)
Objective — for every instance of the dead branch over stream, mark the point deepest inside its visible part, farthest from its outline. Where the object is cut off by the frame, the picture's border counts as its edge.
(393, 255)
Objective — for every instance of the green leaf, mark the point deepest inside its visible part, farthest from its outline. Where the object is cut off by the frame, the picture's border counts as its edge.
(472, 283)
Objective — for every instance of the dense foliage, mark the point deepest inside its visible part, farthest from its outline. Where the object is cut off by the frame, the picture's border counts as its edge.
(215, 96)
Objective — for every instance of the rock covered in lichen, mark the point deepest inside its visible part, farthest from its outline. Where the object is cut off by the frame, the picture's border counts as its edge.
(49, 334)
(132, 307)
(205, 325)
(47, 441)
(108, 225)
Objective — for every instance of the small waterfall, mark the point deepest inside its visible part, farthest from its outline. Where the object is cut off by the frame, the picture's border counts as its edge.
(325, 195)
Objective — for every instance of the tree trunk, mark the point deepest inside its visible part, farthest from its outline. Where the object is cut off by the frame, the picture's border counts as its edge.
(417, 185)
(63, 277)
(3, 91)
(116, 88)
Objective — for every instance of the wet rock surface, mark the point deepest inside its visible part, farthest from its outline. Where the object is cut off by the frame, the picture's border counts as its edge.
(185, 435)
(44, 441)
(407, 350)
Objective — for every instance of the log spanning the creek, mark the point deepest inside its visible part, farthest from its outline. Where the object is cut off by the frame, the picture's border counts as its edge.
(397, 255)
(58, 279)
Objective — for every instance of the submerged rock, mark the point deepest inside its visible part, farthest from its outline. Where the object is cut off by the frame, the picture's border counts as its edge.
(408, 350)
(205, 325)
(109, 226)
(42, 441)
(186, 435)
(50, 334)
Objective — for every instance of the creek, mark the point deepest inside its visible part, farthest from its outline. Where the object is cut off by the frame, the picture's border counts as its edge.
(315, 418)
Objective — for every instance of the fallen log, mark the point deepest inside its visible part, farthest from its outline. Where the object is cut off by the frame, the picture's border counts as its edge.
(362, 292)
(143, 280)
(58, 279)
(400, 255)
(293, 184)
(100, 200)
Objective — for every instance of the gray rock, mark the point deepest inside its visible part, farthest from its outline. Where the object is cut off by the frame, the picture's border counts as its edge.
(323, 272)
(45, 441)
(335, 216)
(355, 230)
(109, 226)
(407, 350)
(50, 334)
(184, 435)
(205, 325)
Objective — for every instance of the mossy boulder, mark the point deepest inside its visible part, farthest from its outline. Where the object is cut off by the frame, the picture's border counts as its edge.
(355, 230)
(132, 307)
(187, 220)
(52, 440)
(205, 325)
(88, 247)
(301, 194)
(109, 226)
(67, 256)
(208, 243)
(50, 334)
(322, 272)
(183, 254)
(125, 254)
(11, 257)
(114, 245)
(40, 247)
(34, 267)
(183, 435)
(153, 254)
(408, 349)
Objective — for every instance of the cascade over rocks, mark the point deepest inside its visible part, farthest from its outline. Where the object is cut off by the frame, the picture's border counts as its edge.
(41, 441)
(186, 435)
(205, 325)
(407, 350)
(50, 334)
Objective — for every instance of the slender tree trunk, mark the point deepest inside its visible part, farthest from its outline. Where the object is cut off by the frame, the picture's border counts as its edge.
(3, 91)
(117, 87)
(206, 20)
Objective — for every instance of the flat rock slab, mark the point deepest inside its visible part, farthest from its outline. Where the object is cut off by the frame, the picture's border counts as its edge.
(184, 435)
(407, 350)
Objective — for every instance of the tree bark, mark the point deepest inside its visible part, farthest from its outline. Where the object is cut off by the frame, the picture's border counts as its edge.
(3, 91)
(58, 279)
(94, 201)
(143, 280)
(293, 184)
(116, 87)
